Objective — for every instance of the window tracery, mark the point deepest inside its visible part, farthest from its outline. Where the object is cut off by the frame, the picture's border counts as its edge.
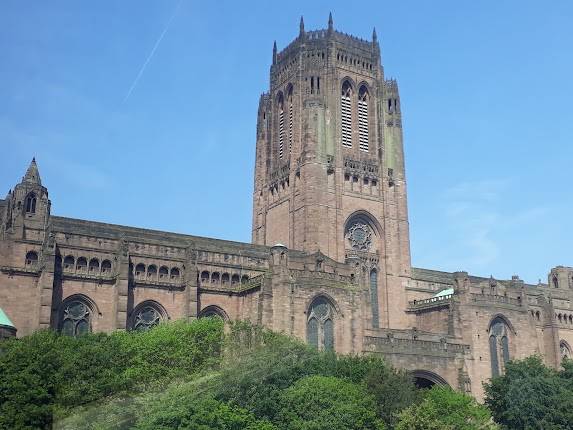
(320, 324)
(360, 236)
(498, 346)
(75, 318)
(146, 317)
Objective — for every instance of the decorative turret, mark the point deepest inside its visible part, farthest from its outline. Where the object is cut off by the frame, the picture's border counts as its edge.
(330, 23)
(28, 205)
(301, 27)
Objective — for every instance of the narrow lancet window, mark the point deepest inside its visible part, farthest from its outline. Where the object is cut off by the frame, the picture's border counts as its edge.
(374, 298)
(363, 128)
(281, 126)
(346, 115)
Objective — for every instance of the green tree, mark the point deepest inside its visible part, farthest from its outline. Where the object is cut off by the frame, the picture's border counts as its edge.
(532, 396)
(393, 391)
(445, 409)
(327, 403)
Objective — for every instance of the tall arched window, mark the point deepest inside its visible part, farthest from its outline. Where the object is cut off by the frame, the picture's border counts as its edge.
(565, 350)
(290, 119)
(31, 203)
(374, 297)
(105, 266)
(75, 317)
(363, 118)
(81, 265)
(320, 324)
(346, 114)
(94, 265)
(498, 346)
(281, 125)
(147, 315)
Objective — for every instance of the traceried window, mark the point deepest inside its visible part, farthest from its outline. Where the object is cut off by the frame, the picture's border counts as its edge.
(363, 129)
(146, 316)
(374, 298)
(346, 114)
(320, 324)
(281, 125)
(290, 119)
(75, 318)
(498, 346)
(31, 204)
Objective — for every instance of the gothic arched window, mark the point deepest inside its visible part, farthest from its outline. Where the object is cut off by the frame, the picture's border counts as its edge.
(152, 272)
(374, 297)
(498, 345)
(31, 258)
(105, 266)
(363, 128)
(290, 118)
(320, 324)
(94, 265)
(163, 273)
(81, 265)
(75, 317)
(346, 114)
(281, 108)
(31, 203)
(140, 271)
(69, 263)
(175, 273)
(146, 316)
(565, 350)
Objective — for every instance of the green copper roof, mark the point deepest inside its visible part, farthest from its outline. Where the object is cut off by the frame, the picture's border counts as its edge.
(446, 292)
(4, 320)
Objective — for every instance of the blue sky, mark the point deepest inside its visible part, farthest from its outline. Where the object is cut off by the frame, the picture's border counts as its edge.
(486, 89)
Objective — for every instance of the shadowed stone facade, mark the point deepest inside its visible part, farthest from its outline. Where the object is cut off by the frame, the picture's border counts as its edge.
(330, 259)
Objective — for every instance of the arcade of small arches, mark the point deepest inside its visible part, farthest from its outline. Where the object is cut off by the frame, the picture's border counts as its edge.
(82, 265)
(151, 273)
(216, 278)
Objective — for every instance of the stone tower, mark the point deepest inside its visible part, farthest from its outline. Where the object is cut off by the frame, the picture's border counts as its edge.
(329, 170)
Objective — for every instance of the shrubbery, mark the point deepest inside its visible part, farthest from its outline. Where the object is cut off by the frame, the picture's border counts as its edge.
(203, 376)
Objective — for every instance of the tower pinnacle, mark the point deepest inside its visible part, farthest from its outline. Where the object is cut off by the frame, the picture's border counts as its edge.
(374, 36)
(275, 52)
(301, 25)
(32, 175)
(330, 22)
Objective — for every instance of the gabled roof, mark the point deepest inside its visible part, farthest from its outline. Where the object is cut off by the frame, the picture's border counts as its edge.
(4, 320)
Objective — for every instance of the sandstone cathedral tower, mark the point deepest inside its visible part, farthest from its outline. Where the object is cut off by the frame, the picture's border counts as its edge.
(330, 258)
(329, 169)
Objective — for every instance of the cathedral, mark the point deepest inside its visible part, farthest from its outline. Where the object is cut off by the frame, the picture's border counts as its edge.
(329, 261)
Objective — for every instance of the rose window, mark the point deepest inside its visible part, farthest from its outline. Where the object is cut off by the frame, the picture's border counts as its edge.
(359, 236)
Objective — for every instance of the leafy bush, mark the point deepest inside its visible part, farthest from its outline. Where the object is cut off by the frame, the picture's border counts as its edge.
(47, 373)
(327, 403)
(445, 409)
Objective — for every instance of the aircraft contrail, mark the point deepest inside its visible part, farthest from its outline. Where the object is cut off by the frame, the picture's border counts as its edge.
(136, 80)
